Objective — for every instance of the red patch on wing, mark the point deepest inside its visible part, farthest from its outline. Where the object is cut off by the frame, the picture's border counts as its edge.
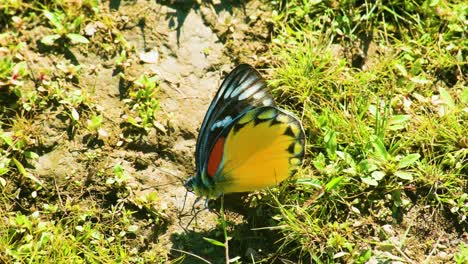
(216, 156)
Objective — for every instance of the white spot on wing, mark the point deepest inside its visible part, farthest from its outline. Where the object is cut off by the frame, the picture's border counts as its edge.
(221, 123)
(267, 101)
(251, 90)
(259, 95)
(244, 76)
(228, 82)
(243, 85)
(228, 89)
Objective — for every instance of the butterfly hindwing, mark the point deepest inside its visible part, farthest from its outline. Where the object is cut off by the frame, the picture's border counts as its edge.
(242, 89)
(262, 147)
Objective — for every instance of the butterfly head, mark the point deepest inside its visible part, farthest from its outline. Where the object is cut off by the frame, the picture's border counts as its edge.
(196, 185)
(191, 184)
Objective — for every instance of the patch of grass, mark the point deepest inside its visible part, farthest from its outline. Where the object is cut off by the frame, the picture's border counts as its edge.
(83, 233)
(59, 226)
(96, 217)
(26, 92)
(381, 87)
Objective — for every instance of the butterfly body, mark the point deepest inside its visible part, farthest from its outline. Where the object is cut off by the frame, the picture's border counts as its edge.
(246, 142)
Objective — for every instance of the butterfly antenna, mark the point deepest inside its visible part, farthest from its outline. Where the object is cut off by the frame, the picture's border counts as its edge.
(168, 172)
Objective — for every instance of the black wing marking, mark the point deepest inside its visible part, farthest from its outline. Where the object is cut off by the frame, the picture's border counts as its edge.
(242, 89)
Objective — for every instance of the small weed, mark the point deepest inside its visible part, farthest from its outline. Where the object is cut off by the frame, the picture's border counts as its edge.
(64, 32)
(461, 256)
(16, 153)
(143, 102)
(119, 177)
(36, 238)
(94, 126)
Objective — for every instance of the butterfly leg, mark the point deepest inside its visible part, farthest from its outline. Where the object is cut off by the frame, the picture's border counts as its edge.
(195, 214)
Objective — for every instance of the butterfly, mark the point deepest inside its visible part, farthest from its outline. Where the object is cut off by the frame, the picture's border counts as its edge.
(245, 142)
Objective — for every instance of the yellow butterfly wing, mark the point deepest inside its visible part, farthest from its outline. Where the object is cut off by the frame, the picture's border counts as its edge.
(264, 147)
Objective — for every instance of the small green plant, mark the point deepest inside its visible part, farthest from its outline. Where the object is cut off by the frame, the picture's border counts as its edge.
(143, 102)
(94, 126)
(224, 224)
(461, 257)
(118, 178)
(11, 73)
(73, 101)
(37, 238)
(64, 31)
(147, 201)
(381, 163)
(12, 76)
(14, 154)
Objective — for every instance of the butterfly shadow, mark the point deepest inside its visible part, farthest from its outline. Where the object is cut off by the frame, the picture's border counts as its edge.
(246, 243)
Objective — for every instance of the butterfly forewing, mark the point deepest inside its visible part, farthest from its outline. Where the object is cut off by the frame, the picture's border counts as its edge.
(242, 90)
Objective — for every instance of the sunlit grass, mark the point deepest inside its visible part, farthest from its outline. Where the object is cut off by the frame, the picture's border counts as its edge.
(384, 135)
(73, 237)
